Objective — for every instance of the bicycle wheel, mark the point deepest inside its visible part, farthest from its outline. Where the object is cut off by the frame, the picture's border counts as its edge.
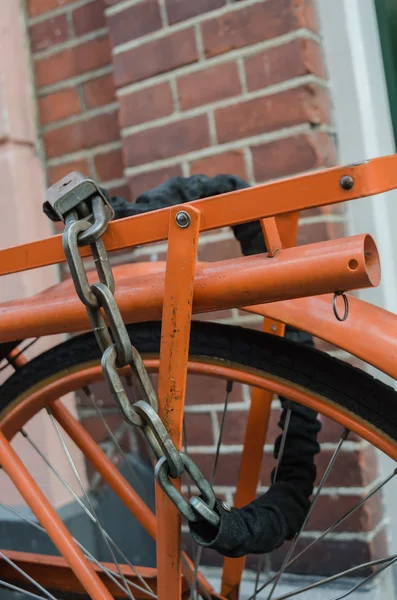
(222, 354)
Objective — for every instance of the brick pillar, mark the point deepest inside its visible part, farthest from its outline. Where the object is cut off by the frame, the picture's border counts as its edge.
(76, 99)
(204, 86)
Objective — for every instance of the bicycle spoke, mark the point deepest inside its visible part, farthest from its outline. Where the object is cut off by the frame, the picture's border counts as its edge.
(316, 496)
(28, 577)
(259, 567)
(229, 387)
(358, 585)
(109, 449)
(332, 578)
(334, 526)
(82, 505)
(188, 569)
(15, 588)
(113, 438)
(83, 489)
(88, 554)
(282, 443)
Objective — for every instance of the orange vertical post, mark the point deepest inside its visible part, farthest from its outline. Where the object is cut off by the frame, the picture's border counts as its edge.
(51, 522)
(174, 352)
(278, 232)
(251, 460)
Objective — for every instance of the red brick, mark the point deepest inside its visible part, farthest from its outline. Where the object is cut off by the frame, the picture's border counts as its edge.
(254, 24)
(157, 56)
(134, 22)
(235, 425)
(48, 33)
(58, 172)
(297, 58)
(38, 7)
(145, 181)
(353, 469)
(228, 467)
(73, 61)
(209, 85)
(335, 209)
(219, 250)
(92, 55)
(100, 91)
(146, 104)
(97, 430)
(228, 163)
(167, 140)
(59, 105)
(288, 156)
(89, 17)
(54, 68)
(109, 166)
(318, 232)
(299, 105)
(307, 15)
(93, 132)
(326, 557)
(179, 10)
(203, 389)
(199, 431)
(331, 508)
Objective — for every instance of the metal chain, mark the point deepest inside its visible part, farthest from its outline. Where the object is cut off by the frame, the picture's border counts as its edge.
(85, 226)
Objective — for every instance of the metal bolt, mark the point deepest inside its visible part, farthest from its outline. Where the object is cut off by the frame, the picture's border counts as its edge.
(273, 327)
(346, 182)
(182, 219)
(226, 506)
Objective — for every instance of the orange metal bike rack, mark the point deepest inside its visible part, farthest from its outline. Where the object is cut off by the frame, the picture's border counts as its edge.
(284, 280)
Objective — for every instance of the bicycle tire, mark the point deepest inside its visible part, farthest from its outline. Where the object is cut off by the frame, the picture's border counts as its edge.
(340, 383)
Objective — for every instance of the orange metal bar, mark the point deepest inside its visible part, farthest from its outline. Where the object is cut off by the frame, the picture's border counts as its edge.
(53, 525)
(350, 263)
(259, 412)
(270, 199)
(174, 352)
(53, 573)
(251, 458)
(250, 466)
(271, 235)
(16, 359)
(288, 228)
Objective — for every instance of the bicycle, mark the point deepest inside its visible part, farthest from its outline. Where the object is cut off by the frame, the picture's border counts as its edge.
(287, 286)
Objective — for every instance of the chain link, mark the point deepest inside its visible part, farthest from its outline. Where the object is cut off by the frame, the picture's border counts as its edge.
(118, 353)
(187, 509)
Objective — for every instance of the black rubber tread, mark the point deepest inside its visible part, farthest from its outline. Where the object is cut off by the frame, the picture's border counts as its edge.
(339, 382)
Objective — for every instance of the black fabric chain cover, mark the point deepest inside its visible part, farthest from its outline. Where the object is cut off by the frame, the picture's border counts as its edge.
(278, 515)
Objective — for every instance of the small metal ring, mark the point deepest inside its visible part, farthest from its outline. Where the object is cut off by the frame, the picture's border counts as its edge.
(335, 308)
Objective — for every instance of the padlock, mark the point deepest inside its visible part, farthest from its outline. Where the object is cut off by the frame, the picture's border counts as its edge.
(70, 191)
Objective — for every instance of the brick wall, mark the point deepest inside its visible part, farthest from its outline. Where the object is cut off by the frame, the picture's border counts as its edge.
(76, 100)
(133, 92)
